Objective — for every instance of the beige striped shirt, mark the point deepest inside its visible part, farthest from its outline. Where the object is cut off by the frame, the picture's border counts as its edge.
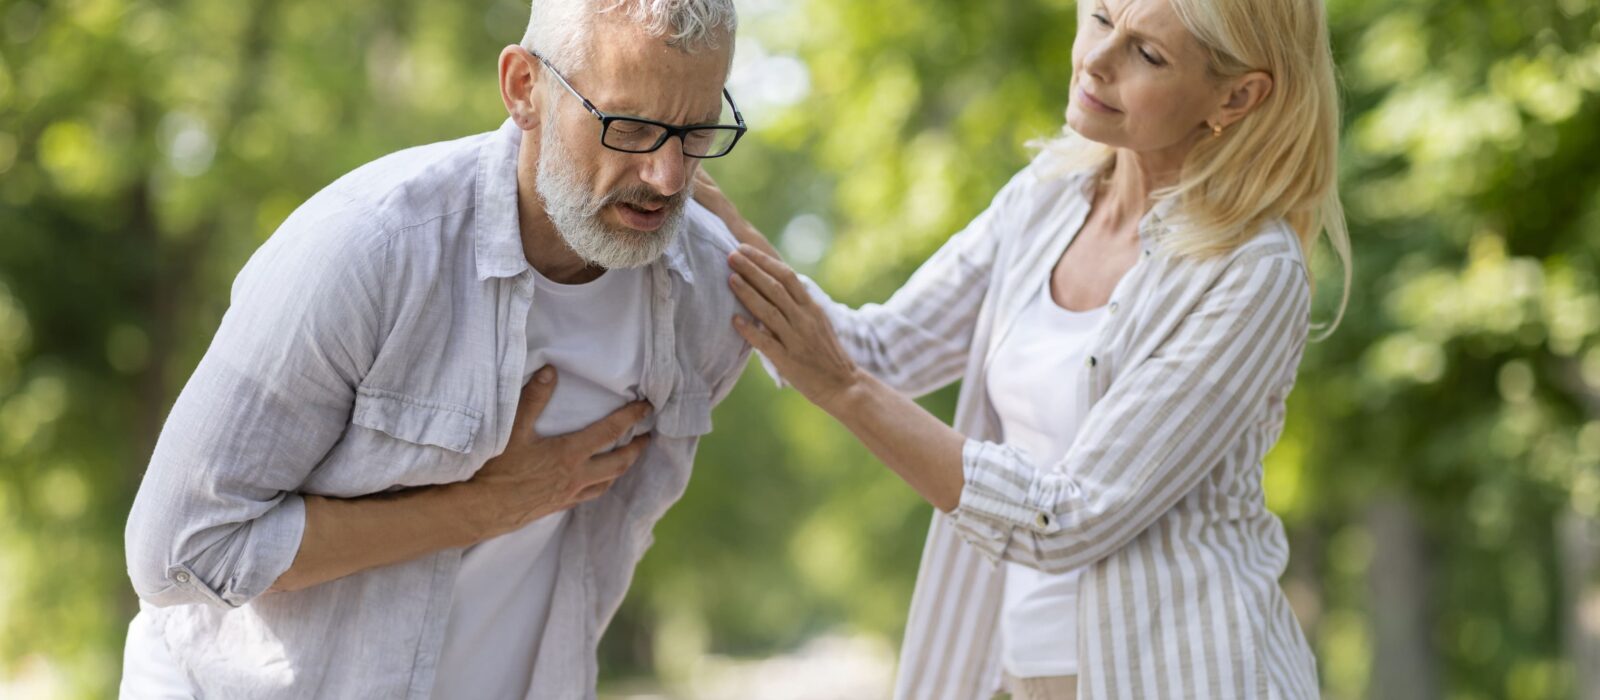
(1159, 499)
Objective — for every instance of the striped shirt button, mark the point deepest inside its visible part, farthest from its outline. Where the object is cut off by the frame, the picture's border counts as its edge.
(181, 577)
(1091, 361)
(1042, 520)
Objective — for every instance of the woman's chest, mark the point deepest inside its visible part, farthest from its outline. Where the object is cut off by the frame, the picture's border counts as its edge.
(1087, 273)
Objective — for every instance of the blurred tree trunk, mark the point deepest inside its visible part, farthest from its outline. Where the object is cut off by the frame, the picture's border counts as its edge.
(1578, 548)
(1580, 578)
(1404, 664)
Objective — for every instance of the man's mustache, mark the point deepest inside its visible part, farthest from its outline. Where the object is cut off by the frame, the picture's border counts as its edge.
(644, 198)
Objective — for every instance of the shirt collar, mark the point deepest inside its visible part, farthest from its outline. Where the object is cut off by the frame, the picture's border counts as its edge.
(1162, 217)
(498, 234)
(676, 256)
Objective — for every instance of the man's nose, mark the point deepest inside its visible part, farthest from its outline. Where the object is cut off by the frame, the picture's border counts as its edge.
(666, 169)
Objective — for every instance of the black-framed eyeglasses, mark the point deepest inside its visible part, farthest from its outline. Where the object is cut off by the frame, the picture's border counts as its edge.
(639, 135)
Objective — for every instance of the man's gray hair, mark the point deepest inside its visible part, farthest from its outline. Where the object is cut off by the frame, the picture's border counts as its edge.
(561, 30)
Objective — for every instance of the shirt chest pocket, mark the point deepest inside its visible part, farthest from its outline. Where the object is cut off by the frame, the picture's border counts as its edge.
(401, 440)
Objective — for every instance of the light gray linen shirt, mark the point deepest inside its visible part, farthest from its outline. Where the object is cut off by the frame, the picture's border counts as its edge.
(376, 341)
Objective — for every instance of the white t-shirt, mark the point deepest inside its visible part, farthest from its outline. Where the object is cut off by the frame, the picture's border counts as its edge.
(594, 335)
(1034, 383)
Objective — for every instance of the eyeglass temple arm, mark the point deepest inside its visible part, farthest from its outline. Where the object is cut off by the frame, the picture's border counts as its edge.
(737, 117)
(563, 80)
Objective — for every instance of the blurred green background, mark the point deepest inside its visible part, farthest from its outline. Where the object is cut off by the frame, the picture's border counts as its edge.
(1439, 475)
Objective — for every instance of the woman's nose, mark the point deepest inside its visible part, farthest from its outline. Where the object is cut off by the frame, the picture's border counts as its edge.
(1097, 62)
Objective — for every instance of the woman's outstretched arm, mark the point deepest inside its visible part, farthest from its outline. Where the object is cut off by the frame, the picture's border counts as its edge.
(1154, 436)
(920, 339)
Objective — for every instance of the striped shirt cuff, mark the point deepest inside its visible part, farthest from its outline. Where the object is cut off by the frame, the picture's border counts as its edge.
(1001, 493)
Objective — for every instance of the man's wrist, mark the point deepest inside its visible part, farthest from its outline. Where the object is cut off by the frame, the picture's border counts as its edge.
(479, 517)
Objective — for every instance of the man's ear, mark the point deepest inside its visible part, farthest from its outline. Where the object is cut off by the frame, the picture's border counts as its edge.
(519, 80)
(1247, 92)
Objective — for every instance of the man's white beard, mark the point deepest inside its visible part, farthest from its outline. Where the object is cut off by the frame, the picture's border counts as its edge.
(576, 213)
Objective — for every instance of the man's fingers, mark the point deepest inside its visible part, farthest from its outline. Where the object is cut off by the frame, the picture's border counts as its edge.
(590, 492)
(603, 470)
(604, 433)
(612, 465)
(535, 397)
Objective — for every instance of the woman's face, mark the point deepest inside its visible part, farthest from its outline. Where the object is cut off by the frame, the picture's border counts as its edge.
(1139, 78)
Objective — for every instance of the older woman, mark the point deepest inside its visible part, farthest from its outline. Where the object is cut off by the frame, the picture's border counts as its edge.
(1127, 318)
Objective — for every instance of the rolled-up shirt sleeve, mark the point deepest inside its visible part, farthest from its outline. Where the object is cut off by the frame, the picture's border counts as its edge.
(218, 518)
(1152, 438)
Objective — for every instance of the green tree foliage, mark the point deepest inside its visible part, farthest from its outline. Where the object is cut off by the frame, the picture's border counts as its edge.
(146, 148)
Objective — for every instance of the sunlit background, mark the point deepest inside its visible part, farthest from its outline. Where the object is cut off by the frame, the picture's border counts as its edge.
(1438, 477)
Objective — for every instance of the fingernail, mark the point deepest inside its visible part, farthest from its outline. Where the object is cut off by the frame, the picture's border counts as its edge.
(545, 374)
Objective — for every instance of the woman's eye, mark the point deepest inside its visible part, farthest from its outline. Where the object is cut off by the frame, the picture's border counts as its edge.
(1152, 60)
(1102, 20)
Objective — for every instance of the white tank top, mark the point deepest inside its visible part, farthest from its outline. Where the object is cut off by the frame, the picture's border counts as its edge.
(1035, 379)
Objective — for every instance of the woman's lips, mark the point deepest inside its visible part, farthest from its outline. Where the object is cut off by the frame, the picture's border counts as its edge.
(1095, 104)
(640, 219)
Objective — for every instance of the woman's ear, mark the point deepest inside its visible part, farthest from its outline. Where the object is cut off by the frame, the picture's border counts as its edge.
(519, 77)
(1245, 93)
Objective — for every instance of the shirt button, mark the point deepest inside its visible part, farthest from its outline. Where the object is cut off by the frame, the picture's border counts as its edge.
(1113, 307)
(1147, 252)
(1091, 361)
(181, 577)
(1042, 520)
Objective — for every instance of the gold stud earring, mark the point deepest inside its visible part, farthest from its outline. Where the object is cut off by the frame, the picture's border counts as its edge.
(1216, 130)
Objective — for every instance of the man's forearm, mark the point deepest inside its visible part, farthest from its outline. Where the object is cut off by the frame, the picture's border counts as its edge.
(347, 535)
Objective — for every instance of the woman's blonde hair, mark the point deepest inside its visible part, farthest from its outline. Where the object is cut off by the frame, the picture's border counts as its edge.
(1281, 159)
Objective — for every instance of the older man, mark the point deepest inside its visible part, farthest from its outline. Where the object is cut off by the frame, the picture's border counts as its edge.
(455, 391)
